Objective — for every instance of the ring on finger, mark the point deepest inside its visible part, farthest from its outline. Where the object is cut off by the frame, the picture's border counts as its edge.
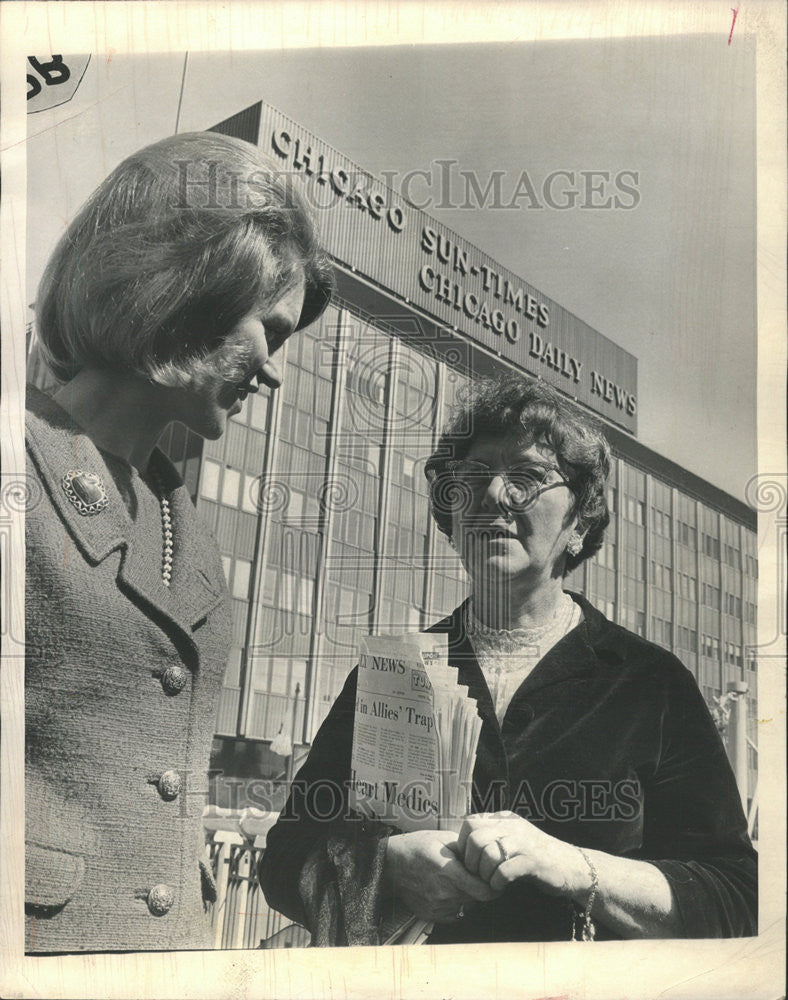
(461, 911)
(504, 852)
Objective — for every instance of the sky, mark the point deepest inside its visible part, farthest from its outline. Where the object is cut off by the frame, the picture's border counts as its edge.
(671, 279)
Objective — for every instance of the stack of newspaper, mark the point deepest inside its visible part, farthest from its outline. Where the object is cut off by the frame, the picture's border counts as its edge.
(414, 744)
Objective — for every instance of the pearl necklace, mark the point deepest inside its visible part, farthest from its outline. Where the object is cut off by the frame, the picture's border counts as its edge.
(166, 530)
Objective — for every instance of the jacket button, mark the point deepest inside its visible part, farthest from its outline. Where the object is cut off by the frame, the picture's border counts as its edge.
(173, 680)
(169, 785)
(160, 900)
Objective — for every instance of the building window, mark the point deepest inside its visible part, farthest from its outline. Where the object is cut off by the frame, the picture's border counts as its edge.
(662, 631)
(607, 555)
(688, 639)
(635, 566)
(273, 704)
(295, 592)
(634, 511)
(240, 581)
(209, 486)
(710, 596)
(686, 535)
(662, 576)
(711, 546)
(230, 486)
(258, 409)
(250, 493)
(688, 586)
(711, 646)
(660, 522)
(286, 590)
(295, 506)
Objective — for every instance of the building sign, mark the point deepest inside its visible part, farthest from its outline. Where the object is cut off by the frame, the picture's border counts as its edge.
(368, 228)
(341, 185)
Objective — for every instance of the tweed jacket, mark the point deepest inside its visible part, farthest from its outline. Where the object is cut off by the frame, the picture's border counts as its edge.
(122, 678)
(607, 744)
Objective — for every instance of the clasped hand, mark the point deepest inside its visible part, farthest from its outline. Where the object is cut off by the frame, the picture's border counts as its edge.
(503, 847)
(436, 872)
(424, 871)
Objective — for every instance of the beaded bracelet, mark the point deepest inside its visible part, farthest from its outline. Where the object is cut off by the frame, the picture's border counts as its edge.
(589, 930)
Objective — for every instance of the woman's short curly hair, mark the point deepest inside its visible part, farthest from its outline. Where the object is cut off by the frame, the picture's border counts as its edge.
(175, 246)
(513, 406)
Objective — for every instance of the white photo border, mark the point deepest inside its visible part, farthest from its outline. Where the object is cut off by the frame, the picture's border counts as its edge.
(740, 967)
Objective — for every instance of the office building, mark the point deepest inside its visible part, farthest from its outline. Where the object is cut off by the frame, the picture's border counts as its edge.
(317, 496)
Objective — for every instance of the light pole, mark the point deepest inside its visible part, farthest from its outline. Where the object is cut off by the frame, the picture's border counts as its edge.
(291, 758)
(737, 736)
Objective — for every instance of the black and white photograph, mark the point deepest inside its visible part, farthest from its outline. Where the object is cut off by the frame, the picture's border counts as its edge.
(393, 500)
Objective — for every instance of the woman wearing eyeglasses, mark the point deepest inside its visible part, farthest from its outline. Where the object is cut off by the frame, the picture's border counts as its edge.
(603, 802)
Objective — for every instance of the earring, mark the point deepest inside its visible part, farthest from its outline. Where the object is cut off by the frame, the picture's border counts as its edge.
(574, 545)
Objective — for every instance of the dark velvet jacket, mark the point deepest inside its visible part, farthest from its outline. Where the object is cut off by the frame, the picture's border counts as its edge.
(607, 744)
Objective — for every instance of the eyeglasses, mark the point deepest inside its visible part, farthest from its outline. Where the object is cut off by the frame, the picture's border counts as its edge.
(524, 483)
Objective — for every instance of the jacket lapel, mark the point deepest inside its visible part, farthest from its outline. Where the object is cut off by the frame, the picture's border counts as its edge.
(191, 594)
(462, 656)
(577, 655)
(574, 656)
(60, 448)
(491, 771)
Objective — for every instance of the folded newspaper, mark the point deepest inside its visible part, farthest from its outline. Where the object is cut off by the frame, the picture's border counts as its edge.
(414, 744)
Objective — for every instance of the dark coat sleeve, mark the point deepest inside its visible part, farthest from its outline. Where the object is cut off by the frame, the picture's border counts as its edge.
(695, 830)
(322, 865)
